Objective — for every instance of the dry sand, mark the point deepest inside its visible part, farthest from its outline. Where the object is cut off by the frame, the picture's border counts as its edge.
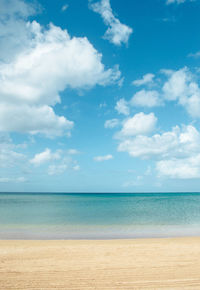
(113, 264)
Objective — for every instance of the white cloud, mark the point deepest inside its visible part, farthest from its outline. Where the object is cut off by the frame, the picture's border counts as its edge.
(111, 123)
(103, 158)
(181, 86)
(146, 79)
(139, 124)
(178, 143)
(186, 168)
(146, 98)
(45, 156)
(177, 152)
(16, 8)
(117, 33)
(54, 62)
(58, 161)
(176, 86)
(33, 120)
(14, 35)
(122, 107)
(48, 62)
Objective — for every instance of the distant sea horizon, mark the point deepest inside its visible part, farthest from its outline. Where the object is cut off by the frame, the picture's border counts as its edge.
(76, 215)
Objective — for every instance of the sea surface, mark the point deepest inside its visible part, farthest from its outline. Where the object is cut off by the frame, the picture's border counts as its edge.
(98, 216)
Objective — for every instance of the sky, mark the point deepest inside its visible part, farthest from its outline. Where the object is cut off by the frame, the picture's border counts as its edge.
(99, 96)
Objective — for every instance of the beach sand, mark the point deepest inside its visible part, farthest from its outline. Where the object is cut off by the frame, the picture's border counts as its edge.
(101, 264)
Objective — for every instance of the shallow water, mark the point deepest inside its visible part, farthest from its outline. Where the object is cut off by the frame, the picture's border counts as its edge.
(96, 216)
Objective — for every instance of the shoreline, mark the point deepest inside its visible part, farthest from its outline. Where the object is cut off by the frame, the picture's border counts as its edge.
(150, 263)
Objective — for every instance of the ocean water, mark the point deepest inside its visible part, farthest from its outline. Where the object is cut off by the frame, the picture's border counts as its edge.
(98, 216)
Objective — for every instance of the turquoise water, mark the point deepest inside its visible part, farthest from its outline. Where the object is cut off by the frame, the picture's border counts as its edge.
(96, 216)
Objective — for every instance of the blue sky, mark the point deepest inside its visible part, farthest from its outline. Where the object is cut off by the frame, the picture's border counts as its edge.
(100, 96)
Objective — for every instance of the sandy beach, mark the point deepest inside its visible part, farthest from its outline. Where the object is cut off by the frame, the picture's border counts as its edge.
(100, 264)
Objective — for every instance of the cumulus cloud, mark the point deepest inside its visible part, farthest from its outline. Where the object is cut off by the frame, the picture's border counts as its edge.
(179, 143)
(103, 158)
(122, 107)
(139, 124)
(117, 33)
(33, 120)
(187, 168)
(182, 87)
(146, 79)
(176, 86)
(45, 156)
(177, 152)
(14, 35)
(179, 86)
(49, 62)
(111, 123)
(58, 162)
(146, 98)
(54, 62)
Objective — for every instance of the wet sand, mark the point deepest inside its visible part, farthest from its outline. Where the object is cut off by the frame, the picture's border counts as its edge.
(100, 264)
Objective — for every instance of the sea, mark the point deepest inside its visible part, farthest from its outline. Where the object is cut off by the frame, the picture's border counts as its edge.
(98, 215)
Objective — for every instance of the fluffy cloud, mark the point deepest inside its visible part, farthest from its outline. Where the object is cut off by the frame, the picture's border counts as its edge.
(103, 158)
(182, 87)
(139, 124)
(117, 33)
(54, 62)
(180, 168)
(146, 98)
(178, 143)
(33, 120)
(45, 156)
(146, 79)
(176, 86)
(111, 123)
(122, 107)
(58, 162)
(49, 62)
(14, 35)
(177, 152)
(179, 86)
